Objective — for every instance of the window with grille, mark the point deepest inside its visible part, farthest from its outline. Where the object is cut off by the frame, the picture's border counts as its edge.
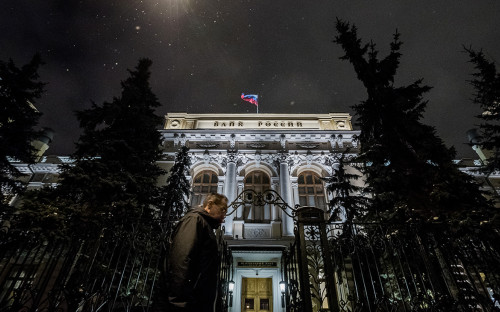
(311, 190)
(258, 181)
(204, 183)
(19, 277)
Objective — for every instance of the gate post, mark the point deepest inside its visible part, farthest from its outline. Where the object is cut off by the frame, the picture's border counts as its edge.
(330, 280)
(305, 286)
(315, 217)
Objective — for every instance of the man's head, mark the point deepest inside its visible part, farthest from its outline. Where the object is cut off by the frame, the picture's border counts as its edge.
(216, 206)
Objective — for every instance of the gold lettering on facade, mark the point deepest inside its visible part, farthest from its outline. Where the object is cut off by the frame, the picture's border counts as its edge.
(257, 264)
(266, 123)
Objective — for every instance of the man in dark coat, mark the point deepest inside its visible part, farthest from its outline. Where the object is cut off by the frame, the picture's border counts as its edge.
(190, 282)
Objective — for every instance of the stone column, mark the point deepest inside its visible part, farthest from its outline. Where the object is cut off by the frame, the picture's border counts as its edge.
(286, 194)
(188, 198)
(241, 185)
(276, 231)
(238, 223)
(230, 187)
(295, 188)
(220, 185)
(275, 213)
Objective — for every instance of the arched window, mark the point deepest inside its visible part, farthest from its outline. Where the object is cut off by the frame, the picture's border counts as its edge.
(258, 181)
(311, 190)
(204, 183)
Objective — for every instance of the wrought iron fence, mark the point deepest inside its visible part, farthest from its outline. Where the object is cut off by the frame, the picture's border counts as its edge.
(419, 267)
(293, 292)
(382, 267)
(225, 273)
(114, 271)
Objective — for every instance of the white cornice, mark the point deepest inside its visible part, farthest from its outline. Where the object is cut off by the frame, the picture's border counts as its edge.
(217, 116)
(38, 168)
(331, 121)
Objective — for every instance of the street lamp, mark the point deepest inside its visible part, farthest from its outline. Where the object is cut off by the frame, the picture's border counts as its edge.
(231, 289)
(282, 289)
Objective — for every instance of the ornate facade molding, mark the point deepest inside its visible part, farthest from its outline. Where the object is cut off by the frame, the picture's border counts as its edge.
(308, 145)
(207, 145)
(326, 161)
(257, 145)
(262, 139)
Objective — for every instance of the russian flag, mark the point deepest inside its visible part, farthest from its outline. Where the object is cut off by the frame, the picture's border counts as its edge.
(252, 98)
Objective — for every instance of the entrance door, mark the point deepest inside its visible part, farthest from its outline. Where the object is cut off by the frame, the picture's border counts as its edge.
(257, 295)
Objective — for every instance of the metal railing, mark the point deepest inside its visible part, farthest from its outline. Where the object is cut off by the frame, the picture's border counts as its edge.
(382, 267)
(115, 270)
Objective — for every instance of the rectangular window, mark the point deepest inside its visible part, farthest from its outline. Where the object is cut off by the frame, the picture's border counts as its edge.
(303, 200)
(249, 304)
(18, 278)
(321, 204)
(206, 178)
(264, 304)
(311, 200)
(309, 179)
(195, 200)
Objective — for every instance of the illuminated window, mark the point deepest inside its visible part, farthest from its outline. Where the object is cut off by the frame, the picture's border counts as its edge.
(258, 181)
(311, 190)
(249, 304)
(204, 183)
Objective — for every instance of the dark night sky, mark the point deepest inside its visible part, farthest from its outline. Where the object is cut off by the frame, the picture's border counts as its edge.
(206, 53)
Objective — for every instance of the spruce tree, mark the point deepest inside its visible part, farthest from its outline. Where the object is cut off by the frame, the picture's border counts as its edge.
(177, 188)
(349, 202)
(407, 166)
(486, 84)
(113, 179)
(19, 90)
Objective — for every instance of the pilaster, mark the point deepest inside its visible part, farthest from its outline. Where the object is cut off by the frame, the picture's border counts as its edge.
(295, 188)
(230, 187)
(286, 194)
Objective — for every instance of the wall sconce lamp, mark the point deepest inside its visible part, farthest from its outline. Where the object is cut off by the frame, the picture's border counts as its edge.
(283, 290)
(231, 289)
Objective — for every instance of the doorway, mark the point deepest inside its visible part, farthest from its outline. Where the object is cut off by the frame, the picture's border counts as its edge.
(257, 294)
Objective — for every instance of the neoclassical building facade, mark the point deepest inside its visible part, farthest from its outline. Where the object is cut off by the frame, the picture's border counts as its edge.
(288, 154)
(285, 153)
